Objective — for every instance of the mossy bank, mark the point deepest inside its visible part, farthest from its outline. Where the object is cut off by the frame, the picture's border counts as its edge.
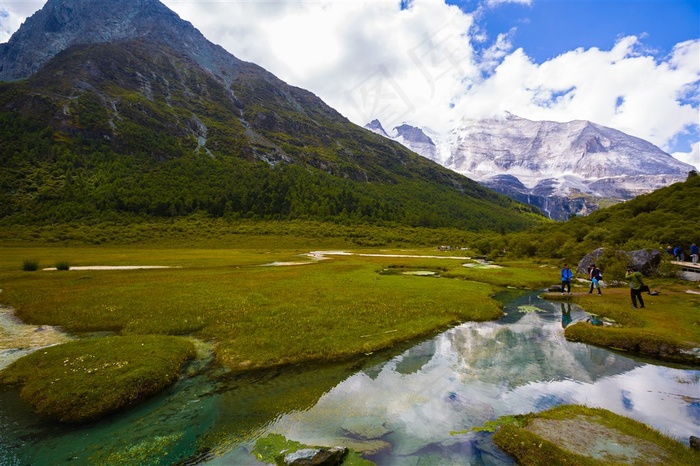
(577, 435)
(667, 329)
(87, 379)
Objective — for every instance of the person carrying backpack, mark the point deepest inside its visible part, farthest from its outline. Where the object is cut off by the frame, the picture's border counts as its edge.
(636, 284)
(595, 276)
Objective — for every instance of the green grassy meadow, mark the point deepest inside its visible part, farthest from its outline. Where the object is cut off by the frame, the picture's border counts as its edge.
(667, 328)
(255, 315)
(258, 315)
(266, 303)
(86, 379)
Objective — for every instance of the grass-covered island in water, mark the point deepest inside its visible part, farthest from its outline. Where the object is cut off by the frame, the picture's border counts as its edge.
(85, 379)
(577, 435)
(666, 329)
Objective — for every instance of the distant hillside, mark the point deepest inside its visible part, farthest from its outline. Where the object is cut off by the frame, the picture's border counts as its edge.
(667, 216)
(149, 119)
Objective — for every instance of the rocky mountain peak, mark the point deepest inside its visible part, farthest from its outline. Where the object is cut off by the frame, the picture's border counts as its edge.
(61, 24)
(376, 127)
(562, 168)
(410, 136)
(413, 134)
(138, 87)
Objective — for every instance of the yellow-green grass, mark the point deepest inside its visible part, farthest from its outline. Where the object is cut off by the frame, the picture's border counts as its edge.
(257, 316)
(574, 435)
(87, 379)
(517, 274)
(11, 258)
(202, 232)
(668, 328)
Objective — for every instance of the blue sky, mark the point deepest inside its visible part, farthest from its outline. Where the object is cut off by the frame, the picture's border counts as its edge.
(633, 65)
(546, 28)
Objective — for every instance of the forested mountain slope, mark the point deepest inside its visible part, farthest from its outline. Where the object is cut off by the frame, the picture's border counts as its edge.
(667, 216)
(160, 122)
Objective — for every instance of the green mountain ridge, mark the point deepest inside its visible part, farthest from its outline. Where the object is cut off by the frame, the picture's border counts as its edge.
(667, 216)
(132, 128)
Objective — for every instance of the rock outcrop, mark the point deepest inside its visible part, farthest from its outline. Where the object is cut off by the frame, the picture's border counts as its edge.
(645, 260)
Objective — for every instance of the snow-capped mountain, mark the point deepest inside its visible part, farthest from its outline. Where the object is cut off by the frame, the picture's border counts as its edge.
(414, 138)
(562, 168)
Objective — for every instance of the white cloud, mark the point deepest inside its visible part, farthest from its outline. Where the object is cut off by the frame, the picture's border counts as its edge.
(619, 88)
(425, 65)
(692, 157)
(425, 62)
(495, 3)
(367, 60)
(13, 13)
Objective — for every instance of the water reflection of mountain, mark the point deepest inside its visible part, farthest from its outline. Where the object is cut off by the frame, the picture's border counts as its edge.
(532, 349)
(520, 348)
(417, 357)
(401, 411)
(459, 379)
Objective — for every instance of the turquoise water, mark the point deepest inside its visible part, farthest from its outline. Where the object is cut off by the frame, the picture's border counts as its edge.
(409, 407)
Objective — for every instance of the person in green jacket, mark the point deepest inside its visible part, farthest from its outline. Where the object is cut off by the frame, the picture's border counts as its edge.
(635, 278)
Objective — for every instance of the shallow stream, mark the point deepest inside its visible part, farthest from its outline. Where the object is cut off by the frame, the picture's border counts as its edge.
(410, 407)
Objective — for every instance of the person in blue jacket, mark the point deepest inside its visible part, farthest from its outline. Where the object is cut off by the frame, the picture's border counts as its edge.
(694, 253)
(566, 276)
(678, 253)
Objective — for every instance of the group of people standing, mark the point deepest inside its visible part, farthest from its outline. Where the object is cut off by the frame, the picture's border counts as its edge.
(594, 274)
(633, 275)
(679, 254)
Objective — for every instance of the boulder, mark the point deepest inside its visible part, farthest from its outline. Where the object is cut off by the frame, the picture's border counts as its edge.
(588, 259)
(364, 447)
(695, 443)
(646, 261)
(333, 456)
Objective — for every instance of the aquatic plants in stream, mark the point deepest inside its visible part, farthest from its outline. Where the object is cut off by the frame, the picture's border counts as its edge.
(83, 380)
(273, 448)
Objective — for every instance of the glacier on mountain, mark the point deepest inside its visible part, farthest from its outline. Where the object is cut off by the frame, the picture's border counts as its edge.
(563, 168)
